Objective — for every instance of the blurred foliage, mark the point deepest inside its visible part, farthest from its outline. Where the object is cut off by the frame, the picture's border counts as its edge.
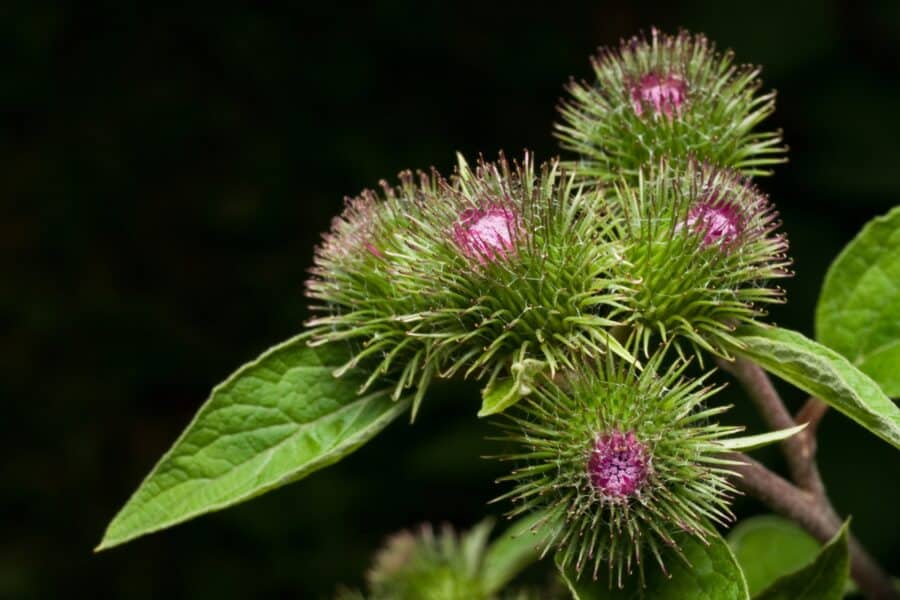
(166, 173)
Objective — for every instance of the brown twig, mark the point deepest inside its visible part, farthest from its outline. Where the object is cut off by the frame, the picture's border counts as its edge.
(807, 502)
(811, 413)
(799, 450)
(816, 515)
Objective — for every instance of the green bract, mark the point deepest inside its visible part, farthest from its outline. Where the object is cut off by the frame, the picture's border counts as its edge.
(498, 271)
(621, 460)
(669, 96)
(699, 249)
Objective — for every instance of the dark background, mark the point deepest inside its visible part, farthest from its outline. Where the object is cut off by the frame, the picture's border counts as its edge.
(166, 173)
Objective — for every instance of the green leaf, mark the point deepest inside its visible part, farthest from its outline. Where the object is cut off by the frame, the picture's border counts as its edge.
(752, 442)
(272, 422)
(515, 549)
(498, 397)
(768, 547)
(858, 314)
(711, 573)
(825, 374)
(503, 393)
(824, 579)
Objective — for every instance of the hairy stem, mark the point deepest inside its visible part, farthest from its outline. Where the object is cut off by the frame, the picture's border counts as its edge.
(815, 515)
(807, 502)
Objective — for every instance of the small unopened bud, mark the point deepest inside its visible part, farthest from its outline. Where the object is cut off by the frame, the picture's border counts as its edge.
(486, 234)
(619, 465)
(665, 93)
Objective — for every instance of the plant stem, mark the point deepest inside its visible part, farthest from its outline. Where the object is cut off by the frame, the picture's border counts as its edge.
(817, 517)
(811, 413)
(807, 502)
(799, 450)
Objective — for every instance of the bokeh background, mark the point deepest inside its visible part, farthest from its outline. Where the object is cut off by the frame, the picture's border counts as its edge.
(165, 175)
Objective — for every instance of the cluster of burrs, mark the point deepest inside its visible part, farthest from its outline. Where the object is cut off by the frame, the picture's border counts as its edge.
(578, 292)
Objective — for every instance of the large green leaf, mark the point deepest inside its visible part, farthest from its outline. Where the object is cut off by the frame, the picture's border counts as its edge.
(859, 308)
(824, 579)
(274, 421)
(711, 573)
(825, 374)
(768, 547)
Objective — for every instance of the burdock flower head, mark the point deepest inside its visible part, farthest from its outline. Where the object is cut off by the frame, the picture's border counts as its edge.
(498, 273)
(701, 246)
(672, 96)
(621, 461)
(525, 269)
(431, 565)
(359, 291)
(425, 564)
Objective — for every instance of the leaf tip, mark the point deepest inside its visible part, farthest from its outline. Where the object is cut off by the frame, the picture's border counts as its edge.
(105, 544)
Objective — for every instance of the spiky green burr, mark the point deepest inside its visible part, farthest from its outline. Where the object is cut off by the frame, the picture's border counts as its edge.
(501, 271)
(701, 248)
(670, 96)
(621, 460)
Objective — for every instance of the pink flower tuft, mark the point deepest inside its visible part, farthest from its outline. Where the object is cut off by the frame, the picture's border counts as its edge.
(719, 222)
(486, 234)
(619, 465)
(665, 93)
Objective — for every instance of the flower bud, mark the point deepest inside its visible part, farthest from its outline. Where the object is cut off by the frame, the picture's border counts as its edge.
(701, 246)
(429, 564)
(620, 461)
(672, 96)
(360, 292)
(500, 271)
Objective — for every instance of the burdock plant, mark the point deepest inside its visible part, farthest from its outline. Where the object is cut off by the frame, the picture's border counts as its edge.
(578, 293)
